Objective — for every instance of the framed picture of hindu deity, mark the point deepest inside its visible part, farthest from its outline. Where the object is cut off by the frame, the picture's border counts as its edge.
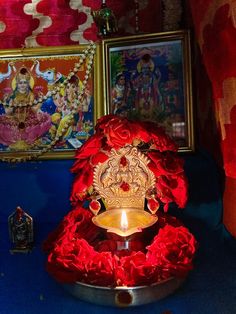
(47, 101)
(148, 77)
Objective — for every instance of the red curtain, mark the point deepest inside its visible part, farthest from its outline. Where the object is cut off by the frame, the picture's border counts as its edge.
(215, 27)
(63, 22)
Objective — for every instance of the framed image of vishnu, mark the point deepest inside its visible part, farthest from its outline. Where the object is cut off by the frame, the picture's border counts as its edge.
(148, 77)
(47, 98)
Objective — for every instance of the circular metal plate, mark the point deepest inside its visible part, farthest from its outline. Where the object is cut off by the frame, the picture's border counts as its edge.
(124, 296)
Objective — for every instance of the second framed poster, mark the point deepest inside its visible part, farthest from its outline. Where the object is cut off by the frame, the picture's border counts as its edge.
(148, 77)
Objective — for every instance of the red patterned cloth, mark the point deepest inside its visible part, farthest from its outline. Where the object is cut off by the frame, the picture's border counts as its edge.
(216, 31)
(63, 22)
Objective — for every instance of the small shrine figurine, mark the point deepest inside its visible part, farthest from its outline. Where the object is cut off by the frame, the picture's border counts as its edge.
(105, 21)
(20, 231)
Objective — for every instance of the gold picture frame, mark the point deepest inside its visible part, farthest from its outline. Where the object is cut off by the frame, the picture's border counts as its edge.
(149, 77)
(48, 100)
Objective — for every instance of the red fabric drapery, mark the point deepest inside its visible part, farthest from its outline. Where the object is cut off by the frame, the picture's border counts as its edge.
(62, 22)
(215, 27)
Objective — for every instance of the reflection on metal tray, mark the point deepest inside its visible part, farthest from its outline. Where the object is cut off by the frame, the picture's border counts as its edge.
(124, 296)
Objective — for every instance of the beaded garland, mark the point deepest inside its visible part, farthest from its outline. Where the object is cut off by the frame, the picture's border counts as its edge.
(136, 16)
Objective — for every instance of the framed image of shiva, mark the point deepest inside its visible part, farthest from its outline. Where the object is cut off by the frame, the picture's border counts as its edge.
(148, 77)
(47, 98)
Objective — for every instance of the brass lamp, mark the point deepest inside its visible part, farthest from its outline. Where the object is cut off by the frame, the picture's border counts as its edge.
(123, 182)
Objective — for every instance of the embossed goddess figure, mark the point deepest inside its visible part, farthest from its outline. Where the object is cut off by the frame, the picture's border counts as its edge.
(23, 123)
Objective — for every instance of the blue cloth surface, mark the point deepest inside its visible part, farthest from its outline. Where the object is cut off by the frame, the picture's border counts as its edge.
(26, 288)
(42, 189)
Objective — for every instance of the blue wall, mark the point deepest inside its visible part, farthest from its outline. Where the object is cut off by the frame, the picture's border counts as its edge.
(42, 189)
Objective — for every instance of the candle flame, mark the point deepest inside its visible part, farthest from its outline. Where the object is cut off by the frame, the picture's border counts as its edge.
(124, 220)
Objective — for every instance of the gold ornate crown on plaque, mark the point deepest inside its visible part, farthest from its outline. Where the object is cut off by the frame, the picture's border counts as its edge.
(122, 180)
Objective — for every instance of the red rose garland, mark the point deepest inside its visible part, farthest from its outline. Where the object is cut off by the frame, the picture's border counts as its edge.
(115, 132)
(77, 252)
(172, 250)
(72, 256)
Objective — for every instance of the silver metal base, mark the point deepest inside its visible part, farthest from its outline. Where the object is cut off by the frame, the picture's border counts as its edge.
(124, 296)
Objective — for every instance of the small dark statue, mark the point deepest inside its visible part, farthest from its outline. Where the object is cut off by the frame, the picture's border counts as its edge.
(105, 21)
(21, 231)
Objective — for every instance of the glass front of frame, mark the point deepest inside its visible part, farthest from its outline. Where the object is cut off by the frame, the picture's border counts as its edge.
(39, 88)
(148, 77)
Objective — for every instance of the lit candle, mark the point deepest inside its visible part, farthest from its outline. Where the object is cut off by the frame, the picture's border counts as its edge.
(124, 244)
(124, 221)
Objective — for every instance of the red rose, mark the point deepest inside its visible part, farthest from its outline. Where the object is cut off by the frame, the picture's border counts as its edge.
(171, 182)
(165, 163)
(100, 270)
(52, 238)
(134, 270)
(164, 192)
(91, 147)
(118, 131)
(161, 141)
(173, 250)
(83, 251)
(67, 262)
(180, 191)
(79, 164)
(142, 133)
(80, 225)
(103, 121)
(79, 215)
(77, 224)
(172, 189)
(81, 184)
(99, 157)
